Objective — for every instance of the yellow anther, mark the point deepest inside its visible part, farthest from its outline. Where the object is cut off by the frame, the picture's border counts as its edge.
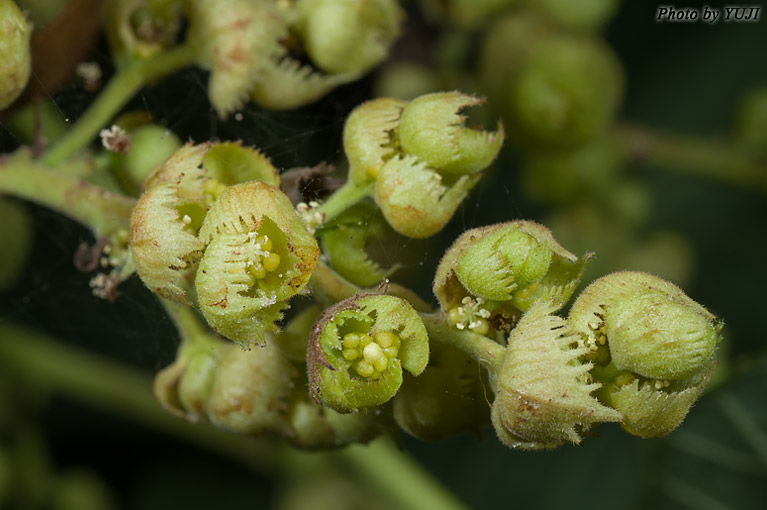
(623, 379)
(364, 368)
(387, 339)
(351, 341)
(470, 315)
(365, 340)
(454, 316)
(271, 261)
(257, 271)
(265, 243)
(479, 326)
(350, 354)
(213, 188)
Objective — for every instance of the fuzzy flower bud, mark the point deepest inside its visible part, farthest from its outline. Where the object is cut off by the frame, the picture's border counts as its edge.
(234, 39)
(358, 349)
(370, 137)
(15, 56)
(437, 161)
(565, 92)
(177, 196)
(348, 35)
(653, 348)
(141, 28)
(544, 391)
(445, 400)
(432, 129)
(509, 266)
(258, 254)
(251, 390)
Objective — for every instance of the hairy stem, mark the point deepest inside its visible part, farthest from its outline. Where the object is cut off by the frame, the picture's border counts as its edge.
(123, 86)
(399, 476)
(342, 199)
(483, 350)
(102, 211)
(333, 287)
(719, 160)
(113, 388)
(108, 386)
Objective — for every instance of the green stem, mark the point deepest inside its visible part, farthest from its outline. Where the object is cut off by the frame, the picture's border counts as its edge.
(103, 211)
(343, 198)
(333, 288)
(718, 160)
(399, 476)
(195, 334)
(483, 350)
(113, 388)
(49, 364)
(123, 86)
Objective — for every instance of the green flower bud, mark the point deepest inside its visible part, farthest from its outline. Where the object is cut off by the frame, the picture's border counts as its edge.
(445, 400)
(370, 137)
(234, 39)
(405, 80)
(178, 194)
(251, 390)
(141, 28)
(431, 129)
(150, 146)
(183, 387)
(506, 45)
(513, 264)
(653, 348)
(15, 55)
(565, 92)
(344, 244)
(258, 255)
(544, 392)
(358, 349)
(585, 15)
(312, 426)
(348, 35)
(415, 199)
(576, 175)
(285, 84)
(419, 187)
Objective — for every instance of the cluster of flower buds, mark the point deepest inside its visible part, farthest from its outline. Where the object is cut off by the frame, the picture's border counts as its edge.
(634, 350)
(15, 55)
(583, 16)
(212, 214)
(555, 88)
(252, 391)
(419, 156)
(252, 48)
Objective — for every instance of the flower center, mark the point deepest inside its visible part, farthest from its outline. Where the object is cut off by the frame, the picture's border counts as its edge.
(261, 260)
(370, 355)
(471, 315)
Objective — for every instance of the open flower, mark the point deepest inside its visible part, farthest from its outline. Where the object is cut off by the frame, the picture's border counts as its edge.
(258, 254)
(652, 347)
(176, 198)
(358, 349)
